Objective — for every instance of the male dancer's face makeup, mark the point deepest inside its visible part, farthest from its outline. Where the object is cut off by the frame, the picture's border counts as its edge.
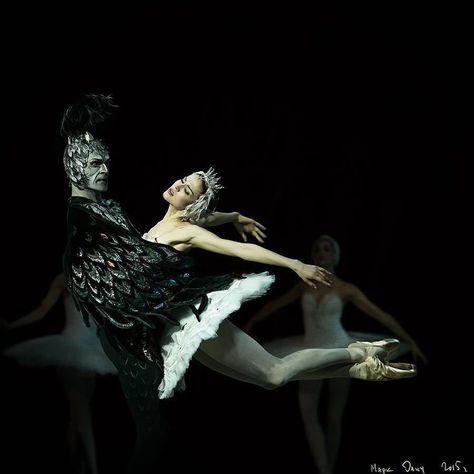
(97, 171)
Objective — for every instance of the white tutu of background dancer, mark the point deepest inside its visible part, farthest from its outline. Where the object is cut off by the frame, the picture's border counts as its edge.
(78, 356)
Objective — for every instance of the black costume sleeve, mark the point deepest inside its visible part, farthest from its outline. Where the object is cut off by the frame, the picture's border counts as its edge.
(127, 284)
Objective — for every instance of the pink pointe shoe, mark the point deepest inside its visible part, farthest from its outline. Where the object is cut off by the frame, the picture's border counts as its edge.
(374, 369)
(384, 349)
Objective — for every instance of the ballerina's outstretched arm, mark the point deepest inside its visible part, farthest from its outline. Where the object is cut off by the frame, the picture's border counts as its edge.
(205, 240)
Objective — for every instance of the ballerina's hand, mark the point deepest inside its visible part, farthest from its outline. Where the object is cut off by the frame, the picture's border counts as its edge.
(312, 274)
(246, 225)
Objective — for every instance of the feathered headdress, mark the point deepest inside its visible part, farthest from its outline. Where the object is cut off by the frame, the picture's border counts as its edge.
(201, 207)
(79, 122)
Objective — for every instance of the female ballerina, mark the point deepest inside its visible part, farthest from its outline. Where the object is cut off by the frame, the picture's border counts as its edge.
(233, 352)
(156, 308)
(322, 311)
(78, 356)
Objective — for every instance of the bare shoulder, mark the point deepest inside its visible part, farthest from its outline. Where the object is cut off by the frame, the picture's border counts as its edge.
(186, 230)
(192, 233)
(347, 289)
(199, 234)
(192, 229)
(171, 233)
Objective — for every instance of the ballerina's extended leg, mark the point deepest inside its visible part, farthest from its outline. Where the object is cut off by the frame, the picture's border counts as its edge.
(245, 358)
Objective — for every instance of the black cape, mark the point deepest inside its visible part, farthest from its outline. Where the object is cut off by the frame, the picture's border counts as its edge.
(128, 285)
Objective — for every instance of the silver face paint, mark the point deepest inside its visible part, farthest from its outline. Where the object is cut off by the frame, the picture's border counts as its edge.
(97, 171)
(86, 161)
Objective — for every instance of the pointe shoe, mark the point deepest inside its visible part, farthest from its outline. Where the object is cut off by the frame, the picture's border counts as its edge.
(384, 349)
(374, 369)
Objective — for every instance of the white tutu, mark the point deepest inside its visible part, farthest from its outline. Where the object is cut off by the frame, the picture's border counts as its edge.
(180, 343)
(78, 346)
(59, 350)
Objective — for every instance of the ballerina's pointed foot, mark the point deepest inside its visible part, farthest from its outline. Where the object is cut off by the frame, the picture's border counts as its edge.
(383, 349)
(372, 368)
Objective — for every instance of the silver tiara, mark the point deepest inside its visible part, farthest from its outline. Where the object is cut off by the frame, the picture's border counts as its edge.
(201, 207)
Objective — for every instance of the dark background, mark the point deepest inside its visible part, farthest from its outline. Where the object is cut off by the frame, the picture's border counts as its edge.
(355, 123)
